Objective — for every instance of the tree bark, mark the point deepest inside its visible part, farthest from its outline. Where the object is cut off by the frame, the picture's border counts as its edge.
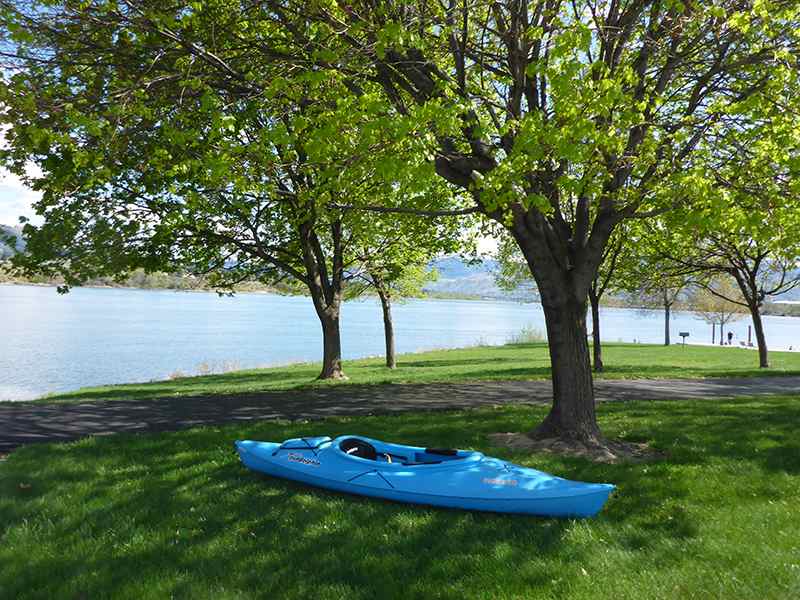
(325, 288)
(667, 309)
(761, 339)
(572, 415)
(564, 285)
(331, 346)
(388, 328)
(597, 348)
(747, 281)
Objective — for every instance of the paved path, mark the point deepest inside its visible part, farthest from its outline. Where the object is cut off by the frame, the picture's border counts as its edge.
(25, 423)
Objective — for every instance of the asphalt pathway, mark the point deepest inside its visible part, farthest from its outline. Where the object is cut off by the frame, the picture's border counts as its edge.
(27, 423)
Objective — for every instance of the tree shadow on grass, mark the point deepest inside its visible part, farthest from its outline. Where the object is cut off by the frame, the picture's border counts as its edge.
(761, 431)
(155, 515)
(272, 536)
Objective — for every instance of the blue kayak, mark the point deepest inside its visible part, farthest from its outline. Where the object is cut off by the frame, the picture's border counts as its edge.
(430, 476)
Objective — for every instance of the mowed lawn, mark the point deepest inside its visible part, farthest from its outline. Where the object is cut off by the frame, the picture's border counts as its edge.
(176, 515)
(515, 361)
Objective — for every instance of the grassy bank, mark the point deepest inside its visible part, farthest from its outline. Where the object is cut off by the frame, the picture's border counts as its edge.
(522, 361)
(175, 515)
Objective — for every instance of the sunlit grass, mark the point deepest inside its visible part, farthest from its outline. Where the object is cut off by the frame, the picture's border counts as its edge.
(521, 361)
(176, 515)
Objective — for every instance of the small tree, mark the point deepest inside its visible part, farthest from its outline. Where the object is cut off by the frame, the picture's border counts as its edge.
(663, 292)
(757, 243)
(710, 302)
(393, 283)
(395, 264)
(602, 282)
(652, 281)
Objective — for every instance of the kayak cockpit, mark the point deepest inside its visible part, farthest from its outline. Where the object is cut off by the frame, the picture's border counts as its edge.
(399, 455)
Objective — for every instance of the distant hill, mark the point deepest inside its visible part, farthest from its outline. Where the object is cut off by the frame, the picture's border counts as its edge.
(15, 232)
(458, 277)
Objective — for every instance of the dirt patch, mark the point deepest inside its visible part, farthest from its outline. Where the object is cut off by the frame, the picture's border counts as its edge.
(3, 456)
(609, 451)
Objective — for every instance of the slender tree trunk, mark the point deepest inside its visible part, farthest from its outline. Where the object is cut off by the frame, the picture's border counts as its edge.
(667, 310)
(750, 291)
(331, 346)
(761, 339)
(325, 288)
(597, 348)
(572, 415)
(388, 328)
(722, 333)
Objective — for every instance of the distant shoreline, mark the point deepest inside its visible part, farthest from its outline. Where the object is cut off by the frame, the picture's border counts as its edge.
(431, 296)
(772, 310)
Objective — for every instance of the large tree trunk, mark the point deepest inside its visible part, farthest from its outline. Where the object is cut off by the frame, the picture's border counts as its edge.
(597, 348)
(761, 339)
(388, 328)
(332, 346)
(572, 415)
(564, 285)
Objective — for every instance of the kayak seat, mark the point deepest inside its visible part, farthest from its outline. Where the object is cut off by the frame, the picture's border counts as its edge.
(360, 448)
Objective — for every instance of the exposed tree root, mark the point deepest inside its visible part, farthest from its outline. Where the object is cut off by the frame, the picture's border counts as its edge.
(337, 376)
(597, 450)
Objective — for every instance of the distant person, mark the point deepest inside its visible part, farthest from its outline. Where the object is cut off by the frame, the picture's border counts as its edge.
(730, 337)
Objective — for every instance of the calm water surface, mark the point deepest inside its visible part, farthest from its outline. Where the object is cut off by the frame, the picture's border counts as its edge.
(52, 343)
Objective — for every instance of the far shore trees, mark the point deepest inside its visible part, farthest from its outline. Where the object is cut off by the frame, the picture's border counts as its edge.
(558, 120)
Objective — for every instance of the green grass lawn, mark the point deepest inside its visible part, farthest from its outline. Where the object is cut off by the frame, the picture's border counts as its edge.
(176, 515)
(523, 361)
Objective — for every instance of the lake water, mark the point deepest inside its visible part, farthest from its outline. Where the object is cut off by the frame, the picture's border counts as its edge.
(53, 343)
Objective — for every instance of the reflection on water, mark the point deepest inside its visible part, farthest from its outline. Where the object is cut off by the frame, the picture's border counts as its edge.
(51, 343)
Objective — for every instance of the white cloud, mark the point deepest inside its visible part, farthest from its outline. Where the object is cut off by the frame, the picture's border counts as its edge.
(487, 245)
(15, 199)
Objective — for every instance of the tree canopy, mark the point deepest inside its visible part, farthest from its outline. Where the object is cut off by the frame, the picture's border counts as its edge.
(557, 120)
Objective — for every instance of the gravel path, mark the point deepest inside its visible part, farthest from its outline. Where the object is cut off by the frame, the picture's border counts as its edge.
(26, 423)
